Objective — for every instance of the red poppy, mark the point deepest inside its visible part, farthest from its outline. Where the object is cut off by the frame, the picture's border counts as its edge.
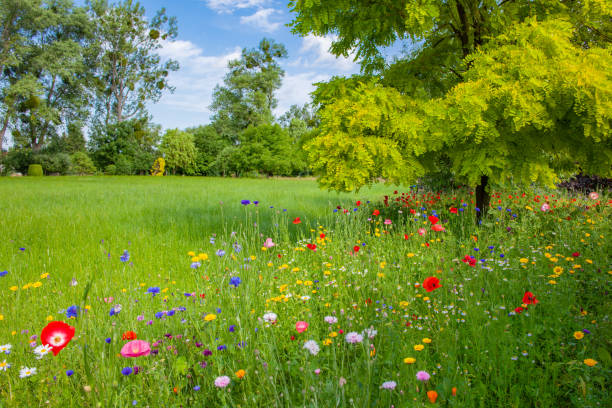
(57, 335)
(375, 212)
(322, 236)
(453, 210)
(518, 310)
(433, 219)
(437, 227)
(356, 248)
(358, 203)
(406, 236)
(368, 301)
(129, 335)
(297, 220)
(312, 246)
(529, 299)
(576, 254)
(432, 283)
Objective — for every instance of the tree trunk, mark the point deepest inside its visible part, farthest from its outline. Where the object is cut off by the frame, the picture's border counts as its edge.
(482, 198)
(3, 130)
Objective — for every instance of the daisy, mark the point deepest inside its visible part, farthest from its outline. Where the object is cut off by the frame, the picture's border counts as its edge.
(6, 349)
(27, 372)
(42, 350)
(4, 366)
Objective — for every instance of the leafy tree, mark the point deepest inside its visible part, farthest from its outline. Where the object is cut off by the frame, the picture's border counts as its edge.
(130, 71)
(179, 151)
(500, 88)
(82, 163)
(209, 144)
(247, 97)
(264, 149)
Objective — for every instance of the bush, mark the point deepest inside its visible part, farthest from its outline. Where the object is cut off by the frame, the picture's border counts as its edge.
(58, 163)
(110, 170)
(35, 170)
(124, 166)
(82, 163)
(18, 160)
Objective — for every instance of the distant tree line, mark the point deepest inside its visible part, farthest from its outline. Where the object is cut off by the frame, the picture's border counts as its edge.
(67, 69)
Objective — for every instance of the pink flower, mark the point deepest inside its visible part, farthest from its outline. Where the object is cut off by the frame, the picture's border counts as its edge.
(422, 376)
(545, 207)
(222, 381)
(594, 195)
(136, 348)
(353, 337)
(269, 243)
(301, 326)
(437, 227)
(317, 371)
(421, 231)
(388, 222)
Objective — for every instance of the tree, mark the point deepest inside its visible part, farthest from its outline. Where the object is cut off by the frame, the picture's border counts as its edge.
(265, 149)
(209, 144)
(179, 151)
(500, 88)
(130, 71)
(247, 97)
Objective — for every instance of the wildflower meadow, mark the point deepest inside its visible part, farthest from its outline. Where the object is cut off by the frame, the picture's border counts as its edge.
(173, 292)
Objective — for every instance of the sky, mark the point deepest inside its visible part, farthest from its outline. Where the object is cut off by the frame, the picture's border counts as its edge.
(213, 32)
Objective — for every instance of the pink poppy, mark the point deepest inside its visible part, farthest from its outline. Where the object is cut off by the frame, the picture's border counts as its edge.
(545, 207)
(594, 195)
(421, 231)
(437, 227)
(136, 348)
(301, 326)
(388, 222)
(269, 243)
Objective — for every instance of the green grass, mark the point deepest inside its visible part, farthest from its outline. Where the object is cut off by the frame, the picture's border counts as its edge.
(76, 228)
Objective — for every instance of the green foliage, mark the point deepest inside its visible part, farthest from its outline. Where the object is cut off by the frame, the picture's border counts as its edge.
(35, 170)
(179, 151)
(53, 163)
(123, 166)
(18, 160)
(209, 143)
(82, 163)
(110, 170)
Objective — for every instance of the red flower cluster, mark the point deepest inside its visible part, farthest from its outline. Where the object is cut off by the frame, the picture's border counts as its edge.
(129, 335)
(528, 299)
(297, 220)
(469, 259)
(312, 247)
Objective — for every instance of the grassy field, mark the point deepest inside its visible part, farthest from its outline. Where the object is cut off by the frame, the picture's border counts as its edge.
(335, 313)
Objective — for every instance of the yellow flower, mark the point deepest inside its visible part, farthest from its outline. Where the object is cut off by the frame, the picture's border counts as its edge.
(327, 342)
(419, 347)
(590, 362)
(44, 276)
(410, 255)
(202, 256)
(210, 317)
(191, 253)
(578, 335)
(523, 260)
(240, 373)
(14, 288)
(589, 261)
(558, 270)
(554, 259)
(49, 318)
(1, 317)
(410, 360)
(195, 259)
(552, 282)
(426, 340)
(333, 334)
(380, 275)
(264, 248)
(37, 284)
(270, 264)
(253, 257)
(326, 273)
(426, 298)
(403, 303)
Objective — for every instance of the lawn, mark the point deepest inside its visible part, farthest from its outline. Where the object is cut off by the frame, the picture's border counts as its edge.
(307, 298)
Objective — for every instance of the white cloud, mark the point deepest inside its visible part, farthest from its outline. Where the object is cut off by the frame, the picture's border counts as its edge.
(228, 6)
(315, 54)
(196, 79)
(296, 89)
(261, 20)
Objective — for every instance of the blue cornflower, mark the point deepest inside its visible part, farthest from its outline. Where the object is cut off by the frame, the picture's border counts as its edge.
(501, 255)
(221, 347)
(255, 202)
(125, 257)
(476, 249)
(159, 315)
(491, 247)
(107, 340)
(22, 249)
(153, 290)
(245, 202)
(212, 240)
(126, 370)
(335, 210)
(235, 281)
(69, 372)
(195, 265)
(218, 310)
(477, 209)
(3, 273)
(196, 388)
(232, 328)
(115, 310)
(220, 252)
(170, 312)
(72, 311)
(237, 247)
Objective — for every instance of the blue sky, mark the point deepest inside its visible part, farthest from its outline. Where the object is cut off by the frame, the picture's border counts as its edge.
(212, 32)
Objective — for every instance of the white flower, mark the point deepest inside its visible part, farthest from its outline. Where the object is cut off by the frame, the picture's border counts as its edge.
(42, 351)
(354, 337)
(331, 319)
(26, 372)
(388, 385)
(6, 348)
(305, 297)
(4, 366)
(270, 317)
(312, 346)
(370, 332)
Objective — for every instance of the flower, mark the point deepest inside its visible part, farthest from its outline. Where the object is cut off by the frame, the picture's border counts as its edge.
(235, 281)
(57, 335)
(297, 220)
(578, 335)
(5, 348)
(125, 257)
(409, 360)
(312, 346)
(4, 366)
(210, 317)
(437, 227)
(222, 381)
(545, 207)
(114, 310)
(426, 340)
(126, 370)
(270, 317)
(529, 299)
(433, 219)
(245, 202)
(129, 335)
(72, 311)
(422, 376)
(69, 373)
(421, 231)
(42, 351)
(136, 348)
(330, 319)
(353, 337)
(431, 283)
(240, 374)
(268, 243)
(419, 347)
(3, 273)
(154, 290)
(301, 326)
(369, 332)
(388, 385)
(388, 222)
(375, 212)
(432, 395)
(27, 372)
(593, 195)
(220, 252)
(590, 362)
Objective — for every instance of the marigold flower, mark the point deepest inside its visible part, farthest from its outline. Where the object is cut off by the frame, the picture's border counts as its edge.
(419, 347)
(590, 362)
(578, 335)
(409, 360)
(210, 317)
(240, 373)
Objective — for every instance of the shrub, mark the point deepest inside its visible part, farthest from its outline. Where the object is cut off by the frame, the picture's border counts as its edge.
(54, 163)
(35, 170)
(110, 170)
(82, 163)
(158, 167)
(18, 160)
(124, 166)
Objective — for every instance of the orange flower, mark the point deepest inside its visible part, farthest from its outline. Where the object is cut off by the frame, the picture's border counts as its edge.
(454, 391)
(433, 396)
(240, 373)
(129, 335)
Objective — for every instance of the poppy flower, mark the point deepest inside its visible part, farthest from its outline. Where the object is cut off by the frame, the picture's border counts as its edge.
(453, 210)
(432, 395)
(297, 220)
(269, 243)
(312, 247)
(136, 348)
(437, 227)
(301, 326)
(518, 310)
(322, 236)
(129, 335)
(529, 299)
(576, 254)
(376, 212)
(431, 283)
(421, 231)
(433, 219)
(57, 335)
(356, 248)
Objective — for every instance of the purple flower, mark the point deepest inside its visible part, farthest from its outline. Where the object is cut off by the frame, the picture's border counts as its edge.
(232, 328)
(153, 290)
(3, 273)
(221, 347)
(195, 265)
(245, 202)
(125, 257)
(388, 385)
(422, 376)
(586, 331)
(235, 281)
(126, 370)
(220, 252)
(107, 340)
(69, 372)
(207, 352)
(72, 311)
(196, 388)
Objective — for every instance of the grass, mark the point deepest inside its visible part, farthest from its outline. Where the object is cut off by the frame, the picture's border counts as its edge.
(62, 239)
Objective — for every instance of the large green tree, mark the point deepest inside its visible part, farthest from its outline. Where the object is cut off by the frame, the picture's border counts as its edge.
(247, 96)
(179, 151)
(500, 88)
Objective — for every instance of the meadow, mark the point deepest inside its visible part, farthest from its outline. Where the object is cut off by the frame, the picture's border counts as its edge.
(245, 293)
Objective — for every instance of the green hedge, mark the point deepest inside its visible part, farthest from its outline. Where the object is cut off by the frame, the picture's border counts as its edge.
(35, 170)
